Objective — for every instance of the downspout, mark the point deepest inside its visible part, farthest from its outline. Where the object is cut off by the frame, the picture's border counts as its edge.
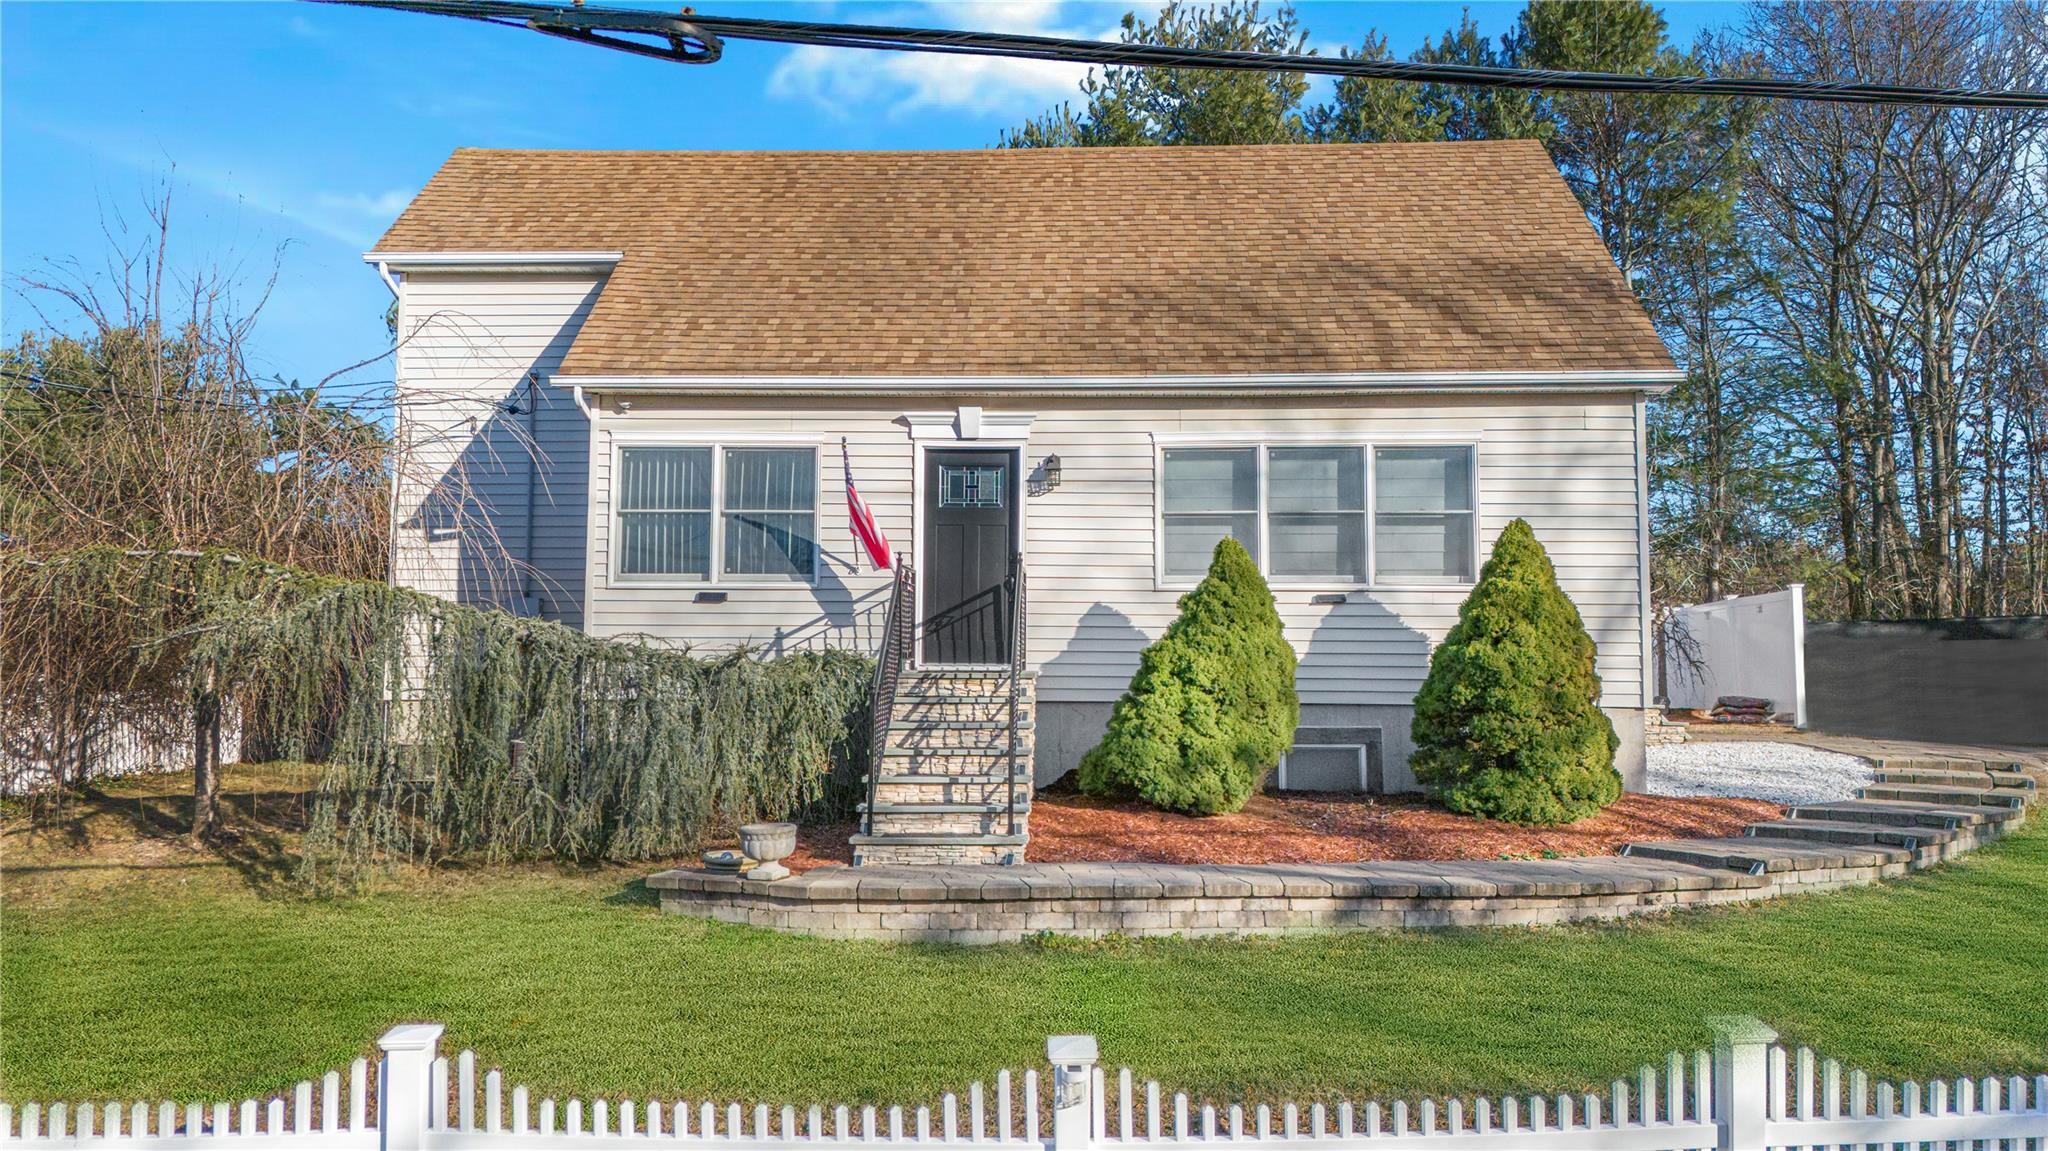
(529, 595)
(391, 511)
(588, 406)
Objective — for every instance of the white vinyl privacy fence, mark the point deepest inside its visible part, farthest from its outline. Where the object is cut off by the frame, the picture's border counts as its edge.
(1752, 645)
(1748, 1094)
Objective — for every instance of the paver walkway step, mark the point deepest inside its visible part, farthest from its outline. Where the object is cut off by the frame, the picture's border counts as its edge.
(1951, 777)
(1946, 795)
(1756, 856)
(1901, 813)
(1883, 834)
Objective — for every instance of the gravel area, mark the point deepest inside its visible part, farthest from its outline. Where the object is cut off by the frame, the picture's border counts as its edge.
(1778, 772)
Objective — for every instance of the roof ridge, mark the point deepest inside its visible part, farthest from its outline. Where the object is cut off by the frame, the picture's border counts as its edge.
(1161, 151)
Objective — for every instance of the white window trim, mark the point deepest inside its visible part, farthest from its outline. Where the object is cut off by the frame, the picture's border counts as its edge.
(1260, 444)
(718, 580)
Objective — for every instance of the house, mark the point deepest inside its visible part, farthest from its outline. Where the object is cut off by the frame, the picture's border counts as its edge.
(625, 379)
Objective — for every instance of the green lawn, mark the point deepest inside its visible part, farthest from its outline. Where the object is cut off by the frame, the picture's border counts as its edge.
(133, 968)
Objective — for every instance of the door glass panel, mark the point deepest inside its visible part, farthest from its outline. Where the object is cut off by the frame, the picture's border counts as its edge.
(970, 487)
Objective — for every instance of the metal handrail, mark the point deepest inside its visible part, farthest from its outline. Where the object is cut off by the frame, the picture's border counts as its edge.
(1017, 640)
(896, 627)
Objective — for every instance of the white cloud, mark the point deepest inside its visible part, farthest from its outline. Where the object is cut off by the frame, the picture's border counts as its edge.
(846, 80)
(349, 211)
(352, 219)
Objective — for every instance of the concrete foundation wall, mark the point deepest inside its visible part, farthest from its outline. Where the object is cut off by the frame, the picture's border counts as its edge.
(1067, 730)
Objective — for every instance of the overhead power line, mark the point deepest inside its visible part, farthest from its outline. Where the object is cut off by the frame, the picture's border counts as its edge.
(693, 38)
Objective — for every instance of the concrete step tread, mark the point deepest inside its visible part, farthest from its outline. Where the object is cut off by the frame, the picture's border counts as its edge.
(1759, 856)
(939, 840)
(1023, 808)
(1970, 780)
(902, 724)
(935, 752)
(1023, 777)
(1991, 797)
(1901, 813)
(953, 674)
(1888, 834)
(1948, 765)
(942, 697)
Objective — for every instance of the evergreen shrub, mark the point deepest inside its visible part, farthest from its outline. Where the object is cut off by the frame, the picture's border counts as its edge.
(1508, 724)
(1212, 705)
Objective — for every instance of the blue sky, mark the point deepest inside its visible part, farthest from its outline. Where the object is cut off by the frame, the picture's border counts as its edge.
(290, 134)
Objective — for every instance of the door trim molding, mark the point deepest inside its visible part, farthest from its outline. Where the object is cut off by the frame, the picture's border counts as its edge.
(919, 449)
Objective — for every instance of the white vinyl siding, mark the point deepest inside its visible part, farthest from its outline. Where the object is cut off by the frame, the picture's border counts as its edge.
(490, 499)
(1568, 464)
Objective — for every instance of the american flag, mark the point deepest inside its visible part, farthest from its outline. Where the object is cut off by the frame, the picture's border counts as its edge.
(864, 526)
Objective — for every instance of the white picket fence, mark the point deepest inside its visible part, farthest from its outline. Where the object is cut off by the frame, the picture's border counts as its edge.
(1747, 1094)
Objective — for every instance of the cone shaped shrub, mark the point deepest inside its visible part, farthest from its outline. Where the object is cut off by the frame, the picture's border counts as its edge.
(1507, 726)
(1213, 703)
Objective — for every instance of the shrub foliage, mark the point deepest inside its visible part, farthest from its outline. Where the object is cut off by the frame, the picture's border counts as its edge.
(1507, 726)
(414, 704)
(1212, 705)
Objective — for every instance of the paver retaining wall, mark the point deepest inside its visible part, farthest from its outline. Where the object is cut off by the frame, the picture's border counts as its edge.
(1091, 900)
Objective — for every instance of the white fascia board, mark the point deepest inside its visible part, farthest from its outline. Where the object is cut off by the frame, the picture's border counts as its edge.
(407, 261)
(1296, 382)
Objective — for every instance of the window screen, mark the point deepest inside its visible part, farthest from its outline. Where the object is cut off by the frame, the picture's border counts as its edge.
(771, 512)
(665, 512)
(1423, 526)
(1315, 512)
(1210, 494)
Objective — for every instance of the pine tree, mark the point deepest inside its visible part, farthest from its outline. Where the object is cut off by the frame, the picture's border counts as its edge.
(1508, 724)
(1212, 705)
(1124, 107)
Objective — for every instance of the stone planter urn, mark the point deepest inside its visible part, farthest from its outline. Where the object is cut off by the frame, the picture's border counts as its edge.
(767, 844)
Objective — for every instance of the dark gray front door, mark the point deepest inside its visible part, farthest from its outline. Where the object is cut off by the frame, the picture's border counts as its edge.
(970, 532)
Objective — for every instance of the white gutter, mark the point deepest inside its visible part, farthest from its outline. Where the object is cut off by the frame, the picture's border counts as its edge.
(406, 260)
(384, 271)
(1291, 382)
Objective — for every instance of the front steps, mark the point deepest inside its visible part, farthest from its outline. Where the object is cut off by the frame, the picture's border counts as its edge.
(1915, 813)
(943, 785)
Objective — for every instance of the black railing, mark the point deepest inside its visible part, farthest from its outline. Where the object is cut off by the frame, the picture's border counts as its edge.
(1016, 675)
(897, 625)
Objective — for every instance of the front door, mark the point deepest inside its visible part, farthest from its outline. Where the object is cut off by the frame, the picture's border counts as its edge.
(970, 533)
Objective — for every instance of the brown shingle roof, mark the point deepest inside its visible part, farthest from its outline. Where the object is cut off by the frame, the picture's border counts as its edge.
(1138, 261)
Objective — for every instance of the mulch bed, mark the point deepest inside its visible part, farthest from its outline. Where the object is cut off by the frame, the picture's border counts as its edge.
(1068, 828)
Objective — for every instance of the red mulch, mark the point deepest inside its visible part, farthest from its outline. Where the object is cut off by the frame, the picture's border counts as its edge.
(1328, 829)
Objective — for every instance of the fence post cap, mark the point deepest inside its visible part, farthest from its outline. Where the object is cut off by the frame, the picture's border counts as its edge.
(411, 1037)
(1071, 1050)
(1733, 1029)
